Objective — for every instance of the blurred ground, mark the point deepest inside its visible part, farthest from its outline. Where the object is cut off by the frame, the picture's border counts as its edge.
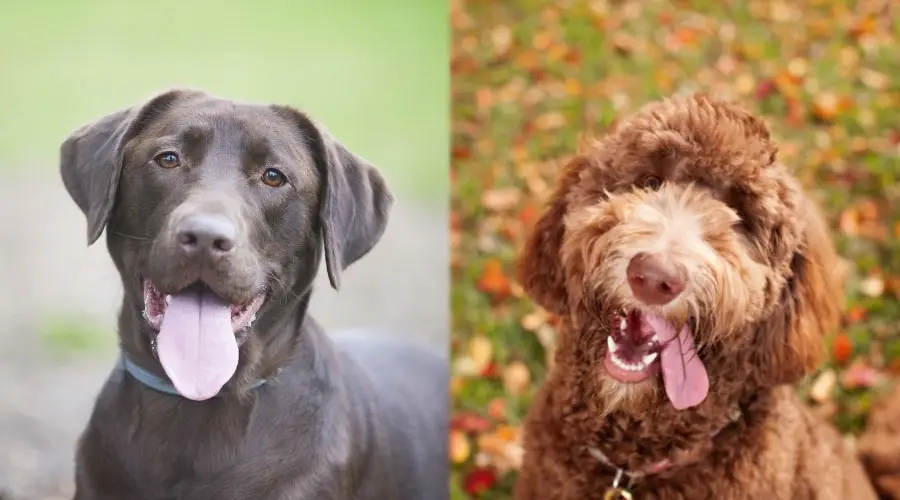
(350, 64)
(531, 79)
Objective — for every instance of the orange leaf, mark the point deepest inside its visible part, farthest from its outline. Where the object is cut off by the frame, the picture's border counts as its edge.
(856, 314)
(455, 222)
(864, 26)
(529, 215)
(456, 385)
(493, 280)
(497, 409)
(848, 222)
(828, 105)
(795, 112)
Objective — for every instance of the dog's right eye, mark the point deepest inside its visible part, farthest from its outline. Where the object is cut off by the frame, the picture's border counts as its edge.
(167, 159)
(651, 182)
(272, 177)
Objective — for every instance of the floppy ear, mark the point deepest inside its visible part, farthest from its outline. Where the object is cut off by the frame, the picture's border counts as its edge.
(354, 210)
(540, 270)
(792, 343)
(90, 159)
(355, 199)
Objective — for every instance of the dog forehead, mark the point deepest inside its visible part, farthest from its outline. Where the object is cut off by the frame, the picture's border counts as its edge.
(256, 128)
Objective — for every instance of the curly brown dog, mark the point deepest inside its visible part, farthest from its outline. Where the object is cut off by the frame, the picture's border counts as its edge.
(695, 281)
(879, 446)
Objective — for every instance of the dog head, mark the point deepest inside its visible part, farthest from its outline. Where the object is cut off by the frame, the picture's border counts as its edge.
(217, 214)
(680, 249)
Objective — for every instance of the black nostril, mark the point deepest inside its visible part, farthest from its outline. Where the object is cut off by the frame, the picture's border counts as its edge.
(187, 238)
(223, 244)
(211, 234)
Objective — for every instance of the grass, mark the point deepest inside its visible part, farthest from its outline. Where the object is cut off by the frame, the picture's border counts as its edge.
(66, 335)
(532, 79)
(374, 72)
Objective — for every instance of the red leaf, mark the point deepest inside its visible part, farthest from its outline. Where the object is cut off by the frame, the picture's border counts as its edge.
(469, 422)
(479, 480)
(490, 370)
(765, 89)
(460, 153)
(842, 349)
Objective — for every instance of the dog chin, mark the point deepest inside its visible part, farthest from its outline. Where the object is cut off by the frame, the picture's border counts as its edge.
(629, 397)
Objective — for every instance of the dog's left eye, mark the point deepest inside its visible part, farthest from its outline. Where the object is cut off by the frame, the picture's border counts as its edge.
(167, 159)
(272, 177)
(651, 182)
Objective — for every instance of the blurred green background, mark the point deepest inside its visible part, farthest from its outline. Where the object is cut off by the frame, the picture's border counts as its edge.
(65, 63)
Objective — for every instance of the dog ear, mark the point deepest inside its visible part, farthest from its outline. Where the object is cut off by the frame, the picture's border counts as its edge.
(355, 200)
(354, 211)
(540, 270)
(792, 342)
(90, 159)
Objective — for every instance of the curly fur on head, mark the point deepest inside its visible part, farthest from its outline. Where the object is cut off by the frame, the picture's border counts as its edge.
(759, 262)
(691, 184)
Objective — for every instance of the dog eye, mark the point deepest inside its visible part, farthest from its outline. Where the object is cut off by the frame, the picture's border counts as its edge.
(167, 159)
(273, 178)
(651, 182)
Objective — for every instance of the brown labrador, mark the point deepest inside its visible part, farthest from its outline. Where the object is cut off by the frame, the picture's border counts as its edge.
(217, 214)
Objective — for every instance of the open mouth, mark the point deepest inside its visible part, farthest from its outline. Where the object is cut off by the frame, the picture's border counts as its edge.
(633, 347)
(198, 336)
(641, 345)
(156, 304)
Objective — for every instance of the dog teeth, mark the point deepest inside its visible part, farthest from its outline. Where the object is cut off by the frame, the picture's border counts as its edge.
(624, 365)
(637, 366)
(623, 324)
(611, 344)
(168, 299)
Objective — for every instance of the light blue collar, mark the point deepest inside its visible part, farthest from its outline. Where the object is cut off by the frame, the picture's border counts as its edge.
(160, 384)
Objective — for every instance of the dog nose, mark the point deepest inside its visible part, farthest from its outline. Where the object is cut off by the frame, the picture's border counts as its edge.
(213, 235)
(653, 280)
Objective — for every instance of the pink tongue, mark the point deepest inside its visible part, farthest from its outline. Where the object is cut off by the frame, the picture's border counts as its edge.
(684, 375)
(196, 344)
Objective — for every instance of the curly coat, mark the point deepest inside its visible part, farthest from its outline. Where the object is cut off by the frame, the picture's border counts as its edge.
(763, 288)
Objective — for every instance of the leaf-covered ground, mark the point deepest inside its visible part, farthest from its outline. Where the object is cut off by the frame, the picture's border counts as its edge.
(532, 78)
